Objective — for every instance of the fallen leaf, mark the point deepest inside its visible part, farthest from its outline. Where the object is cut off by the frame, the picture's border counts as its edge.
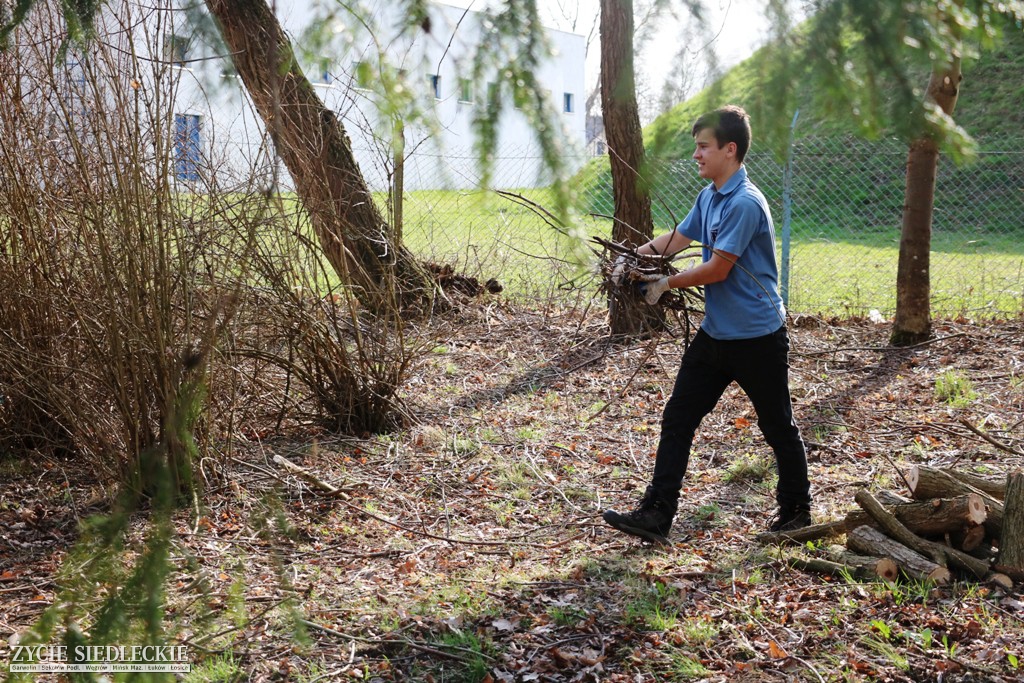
(503, 625)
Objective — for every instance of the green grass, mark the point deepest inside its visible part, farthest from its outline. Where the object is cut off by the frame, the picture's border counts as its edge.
(843, 255)
(843, 267)
(955, 389)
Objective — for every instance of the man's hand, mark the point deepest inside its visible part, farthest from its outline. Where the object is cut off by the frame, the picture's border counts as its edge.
(652, 291)
(618, 269)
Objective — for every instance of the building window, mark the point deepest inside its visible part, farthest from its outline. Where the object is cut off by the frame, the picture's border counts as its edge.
(465, 90)
(175, 49)
(186, 146)
(435, 85)
(568, 106)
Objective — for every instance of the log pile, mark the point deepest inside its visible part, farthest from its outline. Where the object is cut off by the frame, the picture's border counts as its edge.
(954, 525)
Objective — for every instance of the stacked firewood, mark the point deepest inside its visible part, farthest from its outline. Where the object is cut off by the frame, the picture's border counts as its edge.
(954, 525)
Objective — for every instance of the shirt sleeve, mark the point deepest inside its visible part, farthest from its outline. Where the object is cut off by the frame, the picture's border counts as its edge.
(691, 225)
(740, 223)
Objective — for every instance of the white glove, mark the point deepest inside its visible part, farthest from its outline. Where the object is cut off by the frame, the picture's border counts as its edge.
(652, 291)
(618, 269)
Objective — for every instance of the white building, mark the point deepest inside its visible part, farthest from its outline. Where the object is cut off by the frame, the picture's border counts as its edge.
(371, 72)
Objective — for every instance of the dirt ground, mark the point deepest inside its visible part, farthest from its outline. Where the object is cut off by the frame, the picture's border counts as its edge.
(470, 547)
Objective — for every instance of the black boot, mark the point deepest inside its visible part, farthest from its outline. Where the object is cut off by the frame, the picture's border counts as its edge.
(651, 520)
(791, 519)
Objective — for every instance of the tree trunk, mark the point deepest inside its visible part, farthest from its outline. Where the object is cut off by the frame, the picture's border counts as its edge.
(912, 323)
(315, 148)
(633, 225)
(1011, 543)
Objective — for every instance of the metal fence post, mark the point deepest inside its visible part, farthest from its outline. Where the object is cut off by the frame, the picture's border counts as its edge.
(787, 211)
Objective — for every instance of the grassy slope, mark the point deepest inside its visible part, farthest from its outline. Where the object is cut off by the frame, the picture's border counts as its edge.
(988, 107)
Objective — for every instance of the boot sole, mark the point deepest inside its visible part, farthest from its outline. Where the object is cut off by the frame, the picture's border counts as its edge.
(636, 531)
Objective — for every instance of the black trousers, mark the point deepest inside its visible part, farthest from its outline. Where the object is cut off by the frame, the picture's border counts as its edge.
(761, 368)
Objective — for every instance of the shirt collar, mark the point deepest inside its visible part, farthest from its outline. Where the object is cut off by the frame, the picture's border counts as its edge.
(734, 181)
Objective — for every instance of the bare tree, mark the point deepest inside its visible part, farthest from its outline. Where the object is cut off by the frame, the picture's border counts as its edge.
(316, 149)
(633, 223)
(913, 283)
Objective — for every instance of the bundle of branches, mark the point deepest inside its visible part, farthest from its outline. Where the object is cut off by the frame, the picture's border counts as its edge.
(637, 269)
(955, 521)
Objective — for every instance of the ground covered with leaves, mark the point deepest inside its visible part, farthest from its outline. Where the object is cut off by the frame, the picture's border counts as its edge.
(470, 547)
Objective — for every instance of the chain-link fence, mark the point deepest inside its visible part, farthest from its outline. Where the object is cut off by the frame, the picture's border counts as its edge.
(837, 206)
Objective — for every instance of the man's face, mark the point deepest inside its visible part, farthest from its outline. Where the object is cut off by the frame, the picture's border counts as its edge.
(713, 162)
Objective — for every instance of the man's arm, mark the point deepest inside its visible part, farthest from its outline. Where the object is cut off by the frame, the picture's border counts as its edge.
(714, 270)
(669, 244)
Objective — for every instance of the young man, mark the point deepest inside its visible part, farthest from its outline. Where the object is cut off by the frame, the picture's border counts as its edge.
(743, 336)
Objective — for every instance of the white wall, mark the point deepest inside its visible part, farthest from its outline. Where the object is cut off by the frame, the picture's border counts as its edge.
(439, 146)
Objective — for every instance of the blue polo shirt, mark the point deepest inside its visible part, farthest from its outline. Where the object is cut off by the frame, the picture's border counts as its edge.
(736, 219)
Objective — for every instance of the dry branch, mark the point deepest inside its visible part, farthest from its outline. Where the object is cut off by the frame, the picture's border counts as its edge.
(639, 268)
(311, 478)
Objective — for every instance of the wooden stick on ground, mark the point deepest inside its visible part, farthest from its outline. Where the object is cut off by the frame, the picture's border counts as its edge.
(859, 566)
(808, 533)
(311, 478)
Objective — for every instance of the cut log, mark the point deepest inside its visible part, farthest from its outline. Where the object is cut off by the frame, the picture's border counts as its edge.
(869, 541)
(858, 566)
(1001, 580)
(1011, 542)
(934, 517)
(968, 539)
(929, 482)
(939, 553)
(985, 551)
(882, 567)
(993, 486)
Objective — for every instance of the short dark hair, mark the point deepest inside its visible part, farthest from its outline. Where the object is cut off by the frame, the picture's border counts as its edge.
(731, 124)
